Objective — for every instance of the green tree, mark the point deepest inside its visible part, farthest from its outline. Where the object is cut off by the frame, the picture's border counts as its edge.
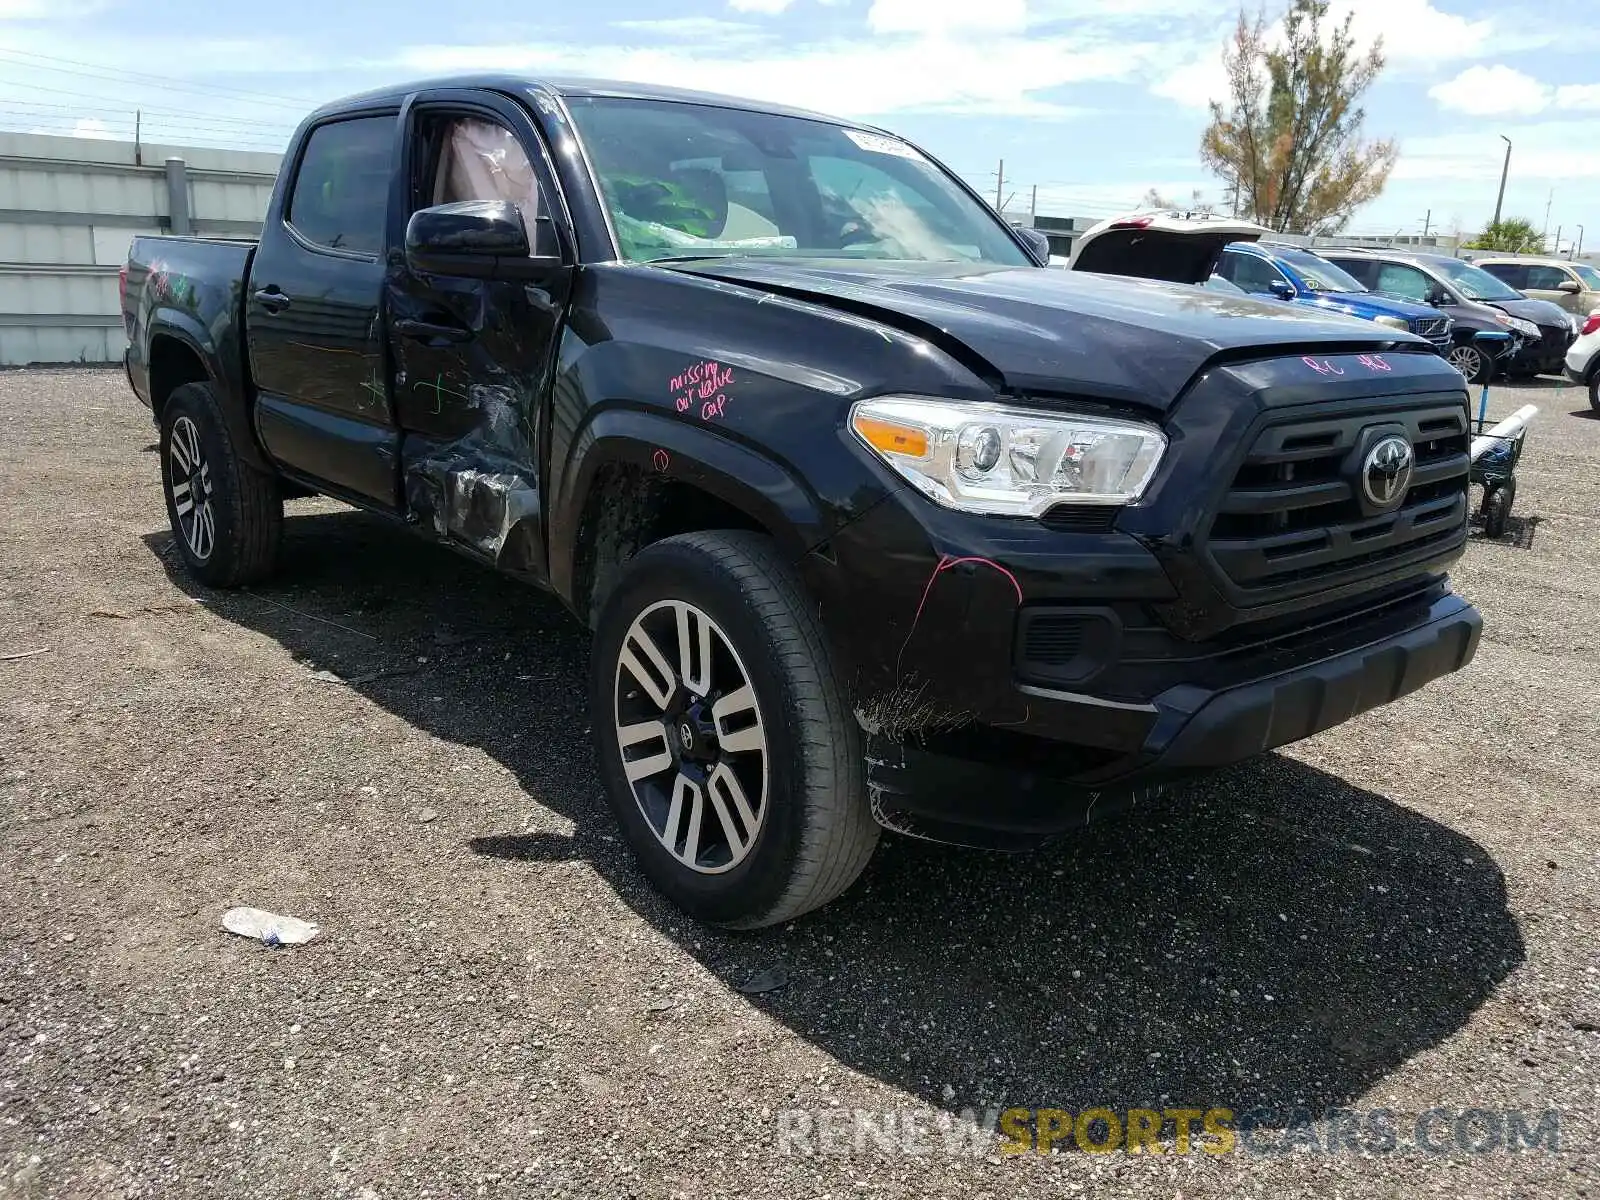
(1288, 142)
(1513, 235)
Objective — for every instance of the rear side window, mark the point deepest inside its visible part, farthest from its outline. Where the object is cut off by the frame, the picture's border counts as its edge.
(1400, 280)
(1364, 269)
(1513, 274)
(1255, 275)
(341, 192)
(1544, 279)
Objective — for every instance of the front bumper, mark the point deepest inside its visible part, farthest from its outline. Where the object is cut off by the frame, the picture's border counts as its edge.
(1015, 800)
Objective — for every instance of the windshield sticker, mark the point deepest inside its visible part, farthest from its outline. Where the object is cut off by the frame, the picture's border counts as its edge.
(878, 143)
(705, 383)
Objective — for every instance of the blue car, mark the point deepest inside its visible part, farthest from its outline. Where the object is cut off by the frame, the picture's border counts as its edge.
(1298, 276)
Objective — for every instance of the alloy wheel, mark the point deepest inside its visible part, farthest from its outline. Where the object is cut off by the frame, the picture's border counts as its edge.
(191, 489)
(692, 736)
(1467, 360)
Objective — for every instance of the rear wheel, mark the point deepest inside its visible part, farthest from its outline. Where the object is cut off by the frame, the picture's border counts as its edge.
(1594, 389)
(1469, 360)
(727, 751)
(226, 517)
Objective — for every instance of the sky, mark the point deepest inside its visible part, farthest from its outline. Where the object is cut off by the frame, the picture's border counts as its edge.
(1091, 101)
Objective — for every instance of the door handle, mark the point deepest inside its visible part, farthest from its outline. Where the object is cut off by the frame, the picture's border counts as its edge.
(431, 331)
(272, 299)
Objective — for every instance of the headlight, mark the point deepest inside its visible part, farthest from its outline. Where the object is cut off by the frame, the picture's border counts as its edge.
(989, 458)
(1525, 328)
(1394, 322)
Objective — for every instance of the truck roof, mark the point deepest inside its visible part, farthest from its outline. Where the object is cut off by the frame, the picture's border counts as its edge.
(569, 86)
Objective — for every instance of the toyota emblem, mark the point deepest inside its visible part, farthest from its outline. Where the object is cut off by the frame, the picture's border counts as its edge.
(1386, 473)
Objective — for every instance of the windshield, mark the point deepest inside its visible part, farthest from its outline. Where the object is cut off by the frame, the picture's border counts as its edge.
(698, 180)
(1590, 277)
(1319, 274)
(1473, 282)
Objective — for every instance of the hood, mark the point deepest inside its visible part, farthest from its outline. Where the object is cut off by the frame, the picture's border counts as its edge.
(1176, 248)
(1540, 312)
(1042, 330)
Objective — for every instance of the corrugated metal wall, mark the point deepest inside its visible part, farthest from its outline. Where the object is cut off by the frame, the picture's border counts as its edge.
(69, 207)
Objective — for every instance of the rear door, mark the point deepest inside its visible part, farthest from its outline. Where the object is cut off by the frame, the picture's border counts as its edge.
(1545, 282)
(474, 357)
(312, 312)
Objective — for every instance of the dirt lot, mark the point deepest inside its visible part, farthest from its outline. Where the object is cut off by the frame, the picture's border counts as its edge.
(1399, 914)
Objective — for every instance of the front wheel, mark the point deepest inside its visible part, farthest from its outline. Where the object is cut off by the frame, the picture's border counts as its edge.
(1470, 361)
(728, 754)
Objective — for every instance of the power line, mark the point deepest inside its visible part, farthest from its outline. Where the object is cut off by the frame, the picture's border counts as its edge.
(120, 74)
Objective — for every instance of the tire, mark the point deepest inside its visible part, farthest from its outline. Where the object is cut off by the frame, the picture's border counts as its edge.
(226, 516)
(1594, 391)
(797, 830)
(1496, 511)
(1469, 360)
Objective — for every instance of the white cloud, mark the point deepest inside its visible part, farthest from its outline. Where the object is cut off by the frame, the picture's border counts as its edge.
(768, 8)
(1196, 83)
(1578, 95)
(693, 28)
(1492, 91)
(1414, 30)
(991, 74)
(947, 16)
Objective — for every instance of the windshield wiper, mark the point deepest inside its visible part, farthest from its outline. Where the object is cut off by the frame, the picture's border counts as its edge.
(689, 258)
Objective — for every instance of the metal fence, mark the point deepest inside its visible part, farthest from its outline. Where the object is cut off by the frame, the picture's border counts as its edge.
(68, 209)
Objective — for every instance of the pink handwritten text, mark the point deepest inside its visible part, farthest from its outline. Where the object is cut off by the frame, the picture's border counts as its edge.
(1322, 366)
(705, 383)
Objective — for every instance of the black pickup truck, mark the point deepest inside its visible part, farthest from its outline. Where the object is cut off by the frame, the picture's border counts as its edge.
(878, 521)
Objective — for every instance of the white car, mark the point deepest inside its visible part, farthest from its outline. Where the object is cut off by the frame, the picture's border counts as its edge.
(1583, 358)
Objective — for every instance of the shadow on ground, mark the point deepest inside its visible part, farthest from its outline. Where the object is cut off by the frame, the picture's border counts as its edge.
(1271, 936)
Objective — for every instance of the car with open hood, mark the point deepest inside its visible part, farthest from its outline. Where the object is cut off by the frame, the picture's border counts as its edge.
(876, 522)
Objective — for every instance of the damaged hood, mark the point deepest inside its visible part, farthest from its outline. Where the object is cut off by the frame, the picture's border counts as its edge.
(1043, 330)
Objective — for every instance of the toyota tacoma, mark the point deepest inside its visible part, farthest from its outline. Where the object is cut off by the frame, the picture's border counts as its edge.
(877, 523)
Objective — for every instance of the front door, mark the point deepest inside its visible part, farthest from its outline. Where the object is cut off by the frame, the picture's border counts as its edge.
(473, 357)
(311, 315)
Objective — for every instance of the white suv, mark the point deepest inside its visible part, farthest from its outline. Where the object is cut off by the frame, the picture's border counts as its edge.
(1583, 358)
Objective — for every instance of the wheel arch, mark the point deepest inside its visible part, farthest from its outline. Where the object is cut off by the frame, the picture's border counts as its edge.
(180, 352)
(634, 478)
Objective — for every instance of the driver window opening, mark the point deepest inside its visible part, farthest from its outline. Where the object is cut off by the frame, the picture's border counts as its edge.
(480, 160)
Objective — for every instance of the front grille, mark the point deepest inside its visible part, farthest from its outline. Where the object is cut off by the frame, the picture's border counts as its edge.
(1435, 329)
(1291, 521)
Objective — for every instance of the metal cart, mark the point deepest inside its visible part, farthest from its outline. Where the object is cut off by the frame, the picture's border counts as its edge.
(1497, 450)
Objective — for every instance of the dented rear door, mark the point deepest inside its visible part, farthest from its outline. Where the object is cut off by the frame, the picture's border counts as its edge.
(469, 399)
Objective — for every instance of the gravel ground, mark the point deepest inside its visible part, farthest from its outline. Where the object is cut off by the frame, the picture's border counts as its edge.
(1398, 914)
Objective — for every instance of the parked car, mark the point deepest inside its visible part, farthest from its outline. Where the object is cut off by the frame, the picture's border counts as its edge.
(1475, 300)
(877, 522)
(1301, 277)
(1573, 286)
(1583, 359)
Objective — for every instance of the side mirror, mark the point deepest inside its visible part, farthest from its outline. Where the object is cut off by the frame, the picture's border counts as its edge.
(1281, 289)
(478, 239)
(1036, 242)
(1436, 296)
(1569, 286)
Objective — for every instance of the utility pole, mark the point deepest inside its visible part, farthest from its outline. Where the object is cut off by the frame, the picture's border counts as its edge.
(1578, 249)
(1000, 184)
(1033, 205)
(1505, 169)
(1558, 239)
(1426, 221)
(1545, 232)
(138, 145)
